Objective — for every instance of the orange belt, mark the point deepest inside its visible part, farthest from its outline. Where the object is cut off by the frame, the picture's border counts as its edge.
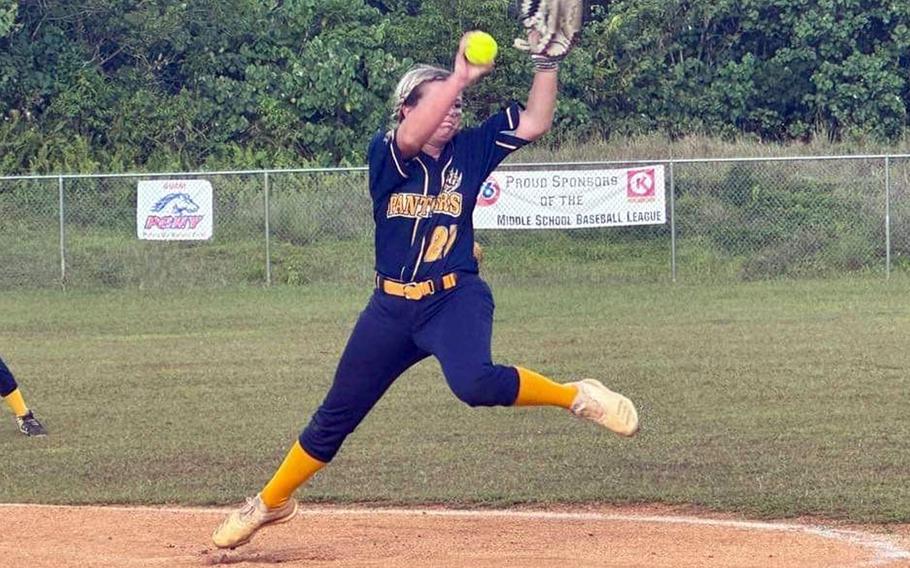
(415, 290)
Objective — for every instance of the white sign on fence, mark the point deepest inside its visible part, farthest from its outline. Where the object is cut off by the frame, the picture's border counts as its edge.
(174, 210)
(571, 199)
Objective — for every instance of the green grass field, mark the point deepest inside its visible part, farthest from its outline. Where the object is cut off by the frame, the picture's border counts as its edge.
(770, 398)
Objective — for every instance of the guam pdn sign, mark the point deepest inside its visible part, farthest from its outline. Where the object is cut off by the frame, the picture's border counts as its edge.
(174, 210)
(571, 199)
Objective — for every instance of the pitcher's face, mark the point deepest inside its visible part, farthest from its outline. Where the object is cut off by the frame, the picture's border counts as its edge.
(450, 124)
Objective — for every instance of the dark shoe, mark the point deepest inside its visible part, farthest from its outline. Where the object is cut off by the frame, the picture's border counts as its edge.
(30, 426)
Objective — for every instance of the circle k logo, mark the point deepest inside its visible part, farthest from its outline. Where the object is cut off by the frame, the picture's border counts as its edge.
(640, 183)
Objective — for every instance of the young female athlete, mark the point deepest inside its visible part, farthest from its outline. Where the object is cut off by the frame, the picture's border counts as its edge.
(424, 178)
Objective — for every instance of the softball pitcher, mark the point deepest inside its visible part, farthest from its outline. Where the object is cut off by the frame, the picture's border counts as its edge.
(424, 178)
(9, 392)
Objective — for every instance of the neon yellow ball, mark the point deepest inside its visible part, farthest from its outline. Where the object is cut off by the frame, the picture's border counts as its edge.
(480, 49)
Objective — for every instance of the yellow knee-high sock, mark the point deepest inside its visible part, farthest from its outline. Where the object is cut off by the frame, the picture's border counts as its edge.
(297, 467)
(535, 389)
(16, 403)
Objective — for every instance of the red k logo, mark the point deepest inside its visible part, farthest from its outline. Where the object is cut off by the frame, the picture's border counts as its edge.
(640, 183)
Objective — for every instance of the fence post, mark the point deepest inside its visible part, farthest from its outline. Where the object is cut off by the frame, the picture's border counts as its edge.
(887, 217)
(268, 253)
(672, 225)
(62, 233)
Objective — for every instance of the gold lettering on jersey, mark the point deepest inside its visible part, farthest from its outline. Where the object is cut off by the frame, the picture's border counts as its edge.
(417, 206)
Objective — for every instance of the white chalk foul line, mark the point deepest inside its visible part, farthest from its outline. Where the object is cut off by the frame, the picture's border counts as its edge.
(884, 550)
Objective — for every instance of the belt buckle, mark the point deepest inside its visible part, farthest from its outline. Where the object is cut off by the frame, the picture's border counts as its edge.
(412, 291)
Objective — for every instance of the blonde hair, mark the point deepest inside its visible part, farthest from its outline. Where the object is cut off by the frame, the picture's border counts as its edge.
(407, 93)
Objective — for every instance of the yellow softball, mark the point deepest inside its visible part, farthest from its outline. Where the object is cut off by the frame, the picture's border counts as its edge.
(480, 48)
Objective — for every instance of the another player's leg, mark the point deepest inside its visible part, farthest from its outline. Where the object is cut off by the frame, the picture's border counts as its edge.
(378, 351)
(12, 396)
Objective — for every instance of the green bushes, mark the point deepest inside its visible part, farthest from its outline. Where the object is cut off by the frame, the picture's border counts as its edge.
(206, 84)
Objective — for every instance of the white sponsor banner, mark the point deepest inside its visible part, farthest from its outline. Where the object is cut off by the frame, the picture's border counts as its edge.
(571, 199)
(171, 210)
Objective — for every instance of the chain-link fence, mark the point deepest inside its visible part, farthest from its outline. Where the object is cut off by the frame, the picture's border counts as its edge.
(729, 219)
(781, 218)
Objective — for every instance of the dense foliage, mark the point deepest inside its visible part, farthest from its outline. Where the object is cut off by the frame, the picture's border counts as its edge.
(114, 85)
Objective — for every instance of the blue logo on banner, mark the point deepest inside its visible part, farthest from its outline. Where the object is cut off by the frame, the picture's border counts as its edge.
(180, 203)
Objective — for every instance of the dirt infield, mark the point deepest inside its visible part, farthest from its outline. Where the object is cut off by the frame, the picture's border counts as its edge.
(330, 537)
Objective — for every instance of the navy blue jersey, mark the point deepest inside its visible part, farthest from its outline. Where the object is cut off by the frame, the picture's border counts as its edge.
(423, 207)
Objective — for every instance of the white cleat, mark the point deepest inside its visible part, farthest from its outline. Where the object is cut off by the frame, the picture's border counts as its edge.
(240, 526)
(599, 404)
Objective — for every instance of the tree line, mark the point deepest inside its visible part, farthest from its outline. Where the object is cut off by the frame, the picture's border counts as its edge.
(129, 85)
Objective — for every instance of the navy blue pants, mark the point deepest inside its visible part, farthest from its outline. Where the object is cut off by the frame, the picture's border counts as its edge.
(391, 335)
(7, 382)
